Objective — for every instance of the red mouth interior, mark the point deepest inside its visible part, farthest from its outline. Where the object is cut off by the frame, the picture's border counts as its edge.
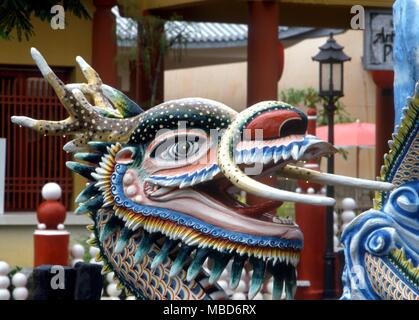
(220, 190)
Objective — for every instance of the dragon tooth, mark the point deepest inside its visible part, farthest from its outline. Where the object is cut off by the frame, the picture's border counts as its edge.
(236, 270)
(123, 240)
(238, 157)
(143, 247)
(257, 155)
(294, 151)
(267, 155)
(287, 258)
(277, 153)
(180, 260)
(220, 261)
(247, 159)
(197, 177)
(257, 277)
(286, 154)
(196, 264)
(168, 245)
(185, 183)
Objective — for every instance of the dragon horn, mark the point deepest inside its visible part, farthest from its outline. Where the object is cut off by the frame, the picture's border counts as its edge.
(85, 121)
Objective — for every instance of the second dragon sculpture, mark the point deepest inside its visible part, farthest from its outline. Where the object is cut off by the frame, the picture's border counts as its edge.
(382, 244)
(161, 184)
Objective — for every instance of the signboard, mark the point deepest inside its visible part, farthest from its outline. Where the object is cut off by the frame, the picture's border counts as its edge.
(2, 172)
(378, 39)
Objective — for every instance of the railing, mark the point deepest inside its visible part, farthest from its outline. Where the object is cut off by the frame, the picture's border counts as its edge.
(31, 159)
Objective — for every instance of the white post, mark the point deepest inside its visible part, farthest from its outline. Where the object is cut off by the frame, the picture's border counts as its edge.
(2, 172)
(77, 252)
(4, 281)
(19, 281)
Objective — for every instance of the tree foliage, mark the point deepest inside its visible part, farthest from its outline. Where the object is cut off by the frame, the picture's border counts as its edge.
(16, 15)
(309, 97)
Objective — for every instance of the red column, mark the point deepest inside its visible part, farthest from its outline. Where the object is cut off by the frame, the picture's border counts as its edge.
(264, 67)
(265, 61)
(312, 221)
(104, 46)
(384, 114)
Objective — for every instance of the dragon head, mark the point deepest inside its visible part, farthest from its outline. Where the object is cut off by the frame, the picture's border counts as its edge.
(381, 244)
(162, 186)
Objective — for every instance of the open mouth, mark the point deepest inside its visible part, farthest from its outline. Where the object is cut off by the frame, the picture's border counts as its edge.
(268, 248)
(271, 155)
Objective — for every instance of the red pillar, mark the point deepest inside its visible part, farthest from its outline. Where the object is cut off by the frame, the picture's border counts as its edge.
(312, 221)
(384, 114)
(104, 46)
(265, 61)
(264, 67)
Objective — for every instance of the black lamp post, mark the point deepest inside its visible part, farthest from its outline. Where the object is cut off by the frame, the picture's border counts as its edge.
(331, 58)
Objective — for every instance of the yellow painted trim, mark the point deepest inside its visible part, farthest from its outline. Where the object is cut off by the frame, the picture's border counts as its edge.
(159, 4)
(365, 3)
(164, 4)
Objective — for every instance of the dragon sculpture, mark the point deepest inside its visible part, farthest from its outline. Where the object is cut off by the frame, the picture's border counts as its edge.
(382, 244)
(162, 182)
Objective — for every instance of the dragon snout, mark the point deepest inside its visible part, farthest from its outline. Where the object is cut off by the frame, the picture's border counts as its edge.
(273, 133)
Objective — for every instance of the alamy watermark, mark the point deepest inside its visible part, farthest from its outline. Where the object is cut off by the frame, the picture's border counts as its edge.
(57, 21)
(358, 18)
(58, 280)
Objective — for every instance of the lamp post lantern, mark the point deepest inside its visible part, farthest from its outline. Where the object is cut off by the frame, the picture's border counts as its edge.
(331, 58)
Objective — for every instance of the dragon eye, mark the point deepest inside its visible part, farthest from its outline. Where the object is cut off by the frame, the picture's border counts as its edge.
(182, 150)
(184, 147)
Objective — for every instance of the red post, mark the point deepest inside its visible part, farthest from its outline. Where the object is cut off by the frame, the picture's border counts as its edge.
(312, 221)
(50, 239)
(264, 52)
(104, 46)
(265, 62)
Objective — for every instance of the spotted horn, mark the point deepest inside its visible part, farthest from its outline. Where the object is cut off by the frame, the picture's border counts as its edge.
(100, 122)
